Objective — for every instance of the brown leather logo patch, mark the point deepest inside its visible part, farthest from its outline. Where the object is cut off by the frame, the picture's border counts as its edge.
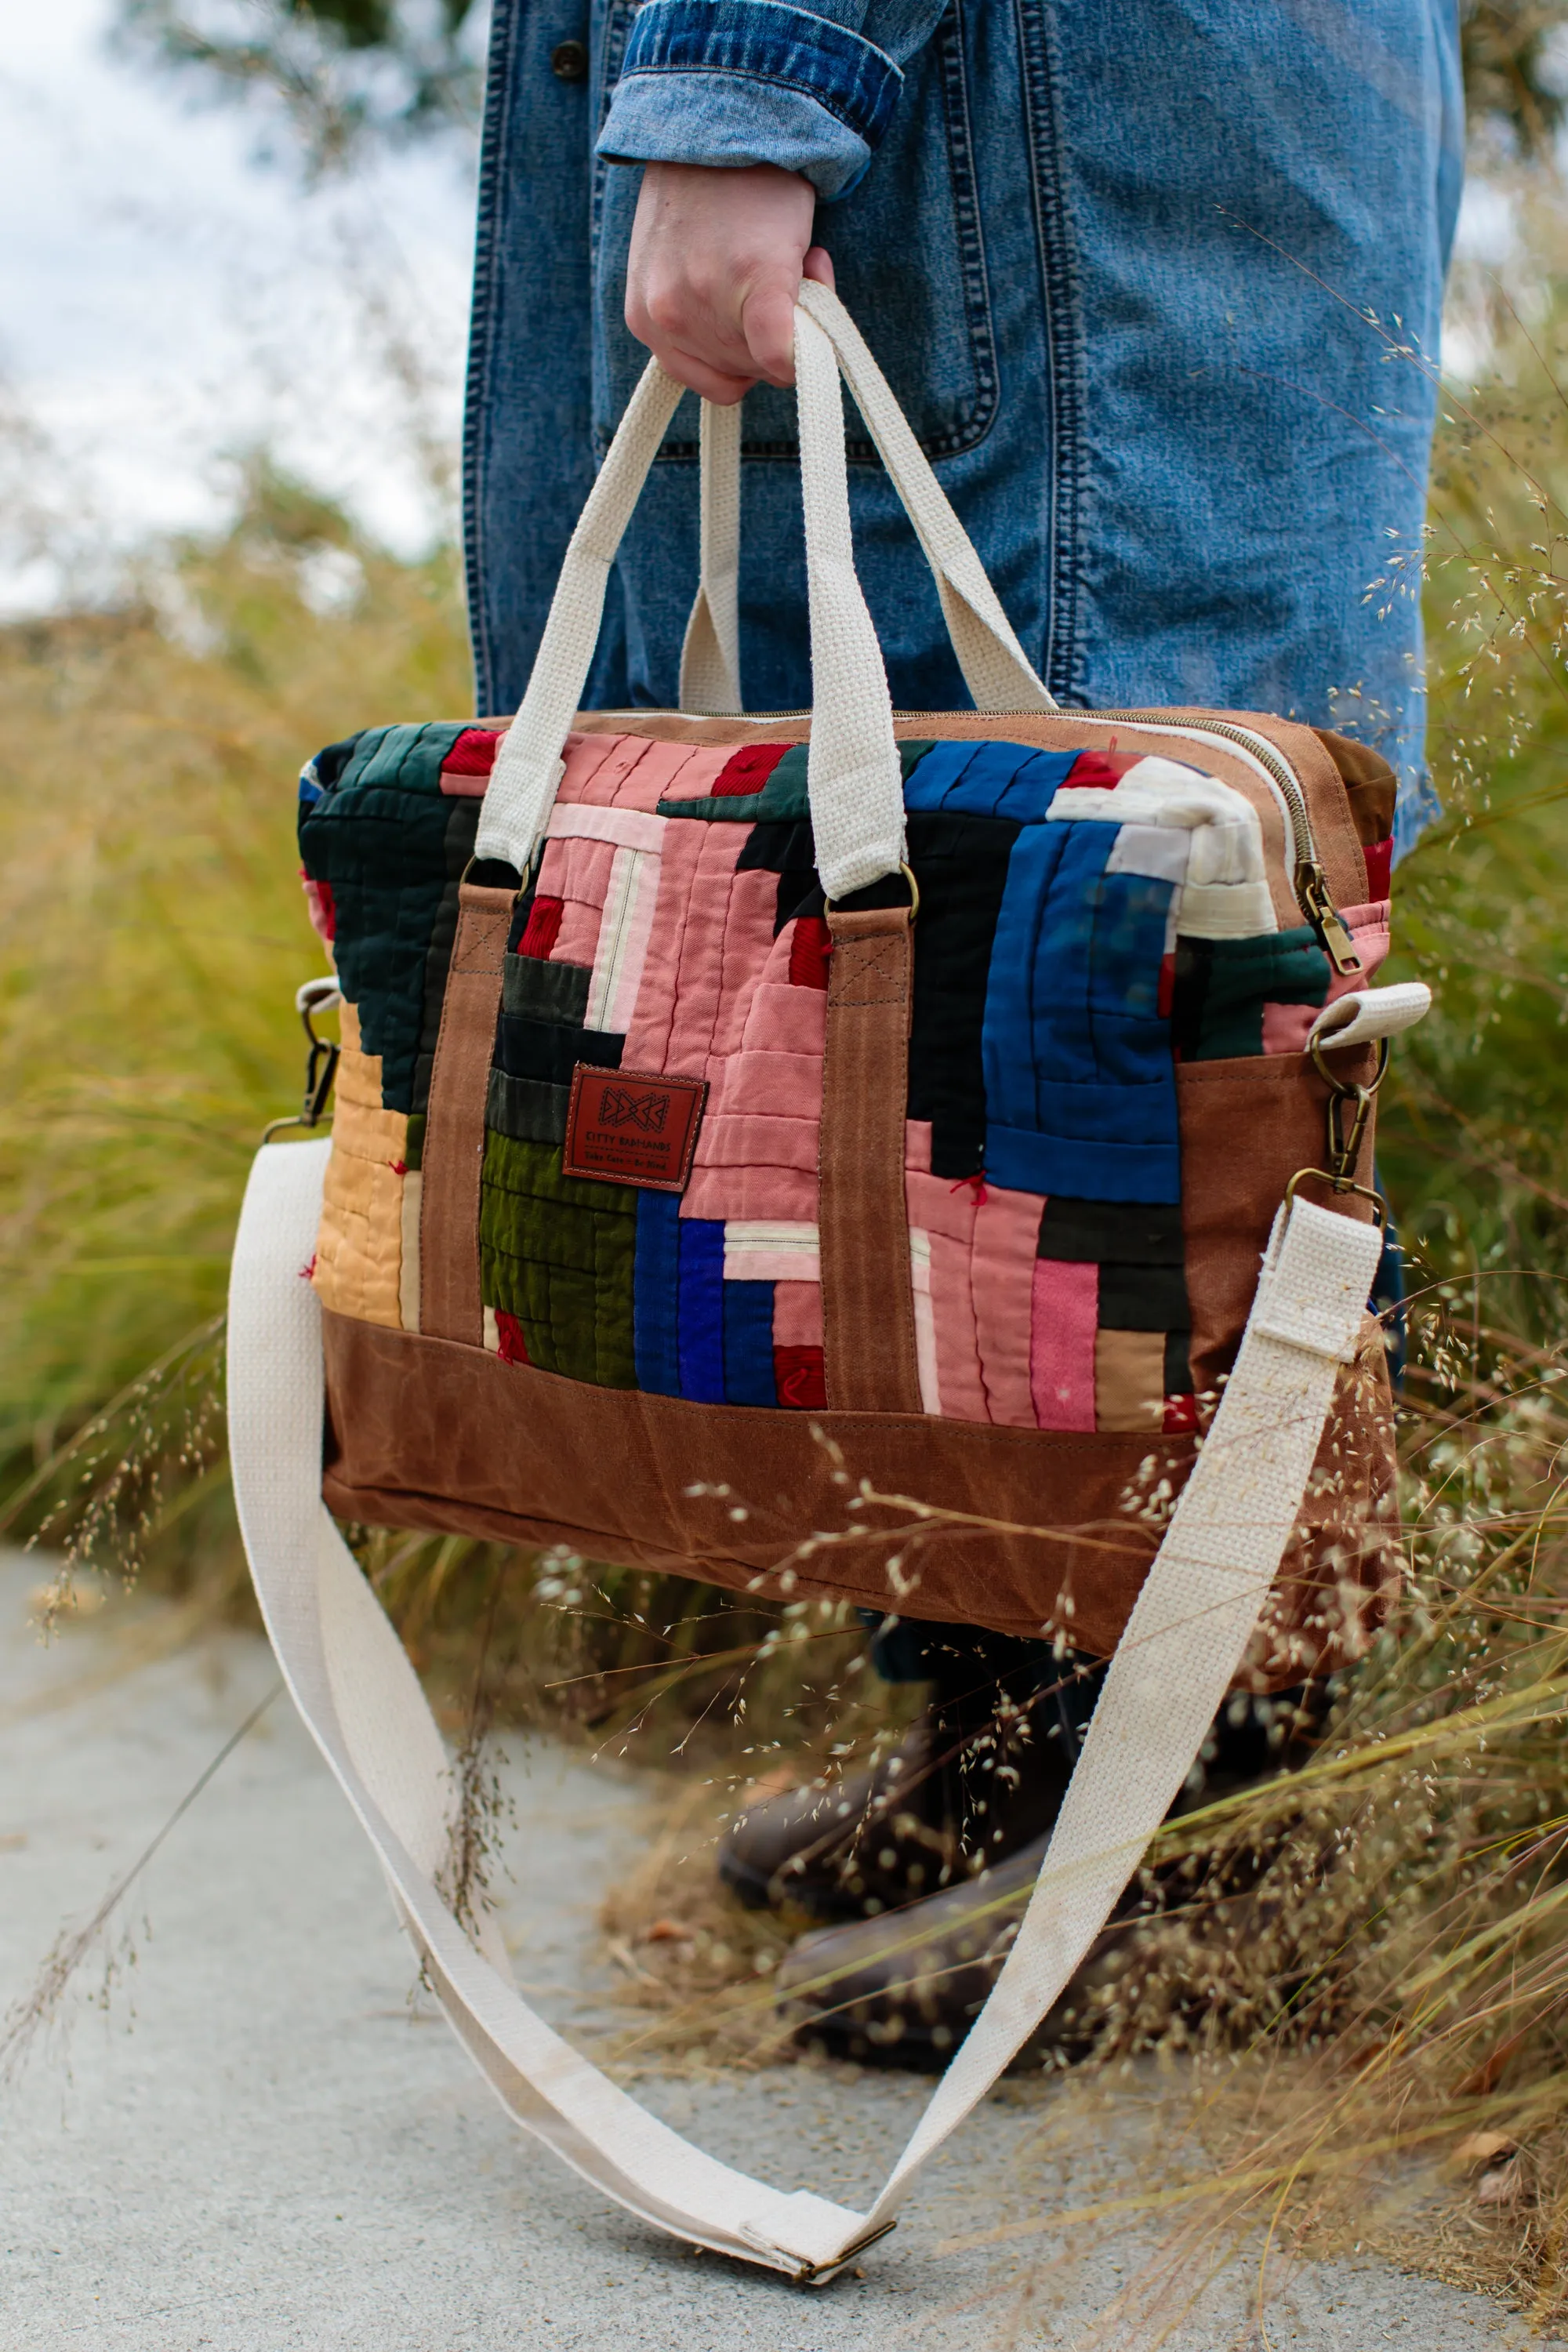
(623, 1128)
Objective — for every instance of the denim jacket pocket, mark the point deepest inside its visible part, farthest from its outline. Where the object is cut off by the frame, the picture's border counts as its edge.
(930, 326)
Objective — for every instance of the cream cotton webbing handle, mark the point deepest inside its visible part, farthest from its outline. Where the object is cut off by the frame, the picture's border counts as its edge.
(710, 656)
(996, 669)
(364, 1706)
(854, 780)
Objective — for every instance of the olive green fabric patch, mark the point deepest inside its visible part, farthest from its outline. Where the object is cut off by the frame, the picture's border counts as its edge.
(558, 1253)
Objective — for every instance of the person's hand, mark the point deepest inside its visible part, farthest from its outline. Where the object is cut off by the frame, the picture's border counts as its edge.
(716, 259)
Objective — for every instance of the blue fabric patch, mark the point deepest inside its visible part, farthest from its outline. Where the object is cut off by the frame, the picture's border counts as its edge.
(749, 1343)
(988, 779)
(655, 1294)
(1080, 1090)
(701, 1335)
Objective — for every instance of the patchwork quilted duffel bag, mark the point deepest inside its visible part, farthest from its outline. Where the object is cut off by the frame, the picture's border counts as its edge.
(731, 1112)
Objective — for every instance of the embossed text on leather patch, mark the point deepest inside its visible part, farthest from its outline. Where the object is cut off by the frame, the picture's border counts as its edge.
(623, 1128)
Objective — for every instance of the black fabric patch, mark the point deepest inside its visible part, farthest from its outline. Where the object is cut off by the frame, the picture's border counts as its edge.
(1178, 1369)
(960, 865)
(461, 826)
(548, 1051)
(786, 850)
(1112, 1232)
(1142, 1298)
(1194, 962)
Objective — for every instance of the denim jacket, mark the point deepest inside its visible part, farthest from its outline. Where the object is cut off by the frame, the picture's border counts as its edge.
(1157, 281)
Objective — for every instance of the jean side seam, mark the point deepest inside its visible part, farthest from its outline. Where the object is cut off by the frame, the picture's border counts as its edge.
(494, 143)
(949, 39)
(1064, 665)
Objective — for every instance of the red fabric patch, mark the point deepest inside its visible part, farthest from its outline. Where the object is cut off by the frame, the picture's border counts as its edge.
(511, 1347)
(798, 1376)
(542, 927)
(1379, 868)
(473, 753)
(748, 771)
(1102, 769)
(811, 944)
(1166, 996)
(1181, 1418)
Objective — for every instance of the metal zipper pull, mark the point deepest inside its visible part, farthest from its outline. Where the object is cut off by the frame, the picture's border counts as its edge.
(1312, 894)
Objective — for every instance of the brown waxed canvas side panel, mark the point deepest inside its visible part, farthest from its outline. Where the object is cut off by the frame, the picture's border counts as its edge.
(868, 1298)
(1246, 1125)
(1370, 782)
(427, 1434)
(455, 1124)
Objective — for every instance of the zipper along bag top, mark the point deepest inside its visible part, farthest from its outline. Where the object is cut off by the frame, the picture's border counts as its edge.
(975, 1104)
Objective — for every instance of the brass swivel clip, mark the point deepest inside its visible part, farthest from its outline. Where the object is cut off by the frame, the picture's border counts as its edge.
(322, 1058)
(1349, 1109)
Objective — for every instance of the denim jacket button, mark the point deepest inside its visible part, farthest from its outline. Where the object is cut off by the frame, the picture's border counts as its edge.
(569, 61)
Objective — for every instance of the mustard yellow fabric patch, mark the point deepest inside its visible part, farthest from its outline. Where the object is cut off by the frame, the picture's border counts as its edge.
(360, 1255)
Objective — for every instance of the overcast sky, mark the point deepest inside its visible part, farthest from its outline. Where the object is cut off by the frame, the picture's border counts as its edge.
(164, 302)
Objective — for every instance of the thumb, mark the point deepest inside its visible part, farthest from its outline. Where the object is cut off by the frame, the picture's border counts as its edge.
(818, 266)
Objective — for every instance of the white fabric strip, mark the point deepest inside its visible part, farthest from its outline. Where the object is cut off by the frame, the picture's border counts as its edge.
(625, 927)
(628, 828)
(711, 656)
(361, 1701)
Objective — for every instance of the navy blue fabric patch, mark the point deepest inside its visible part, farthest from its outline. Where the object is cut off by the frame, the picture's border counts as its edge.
(701, 1333)
(655, 1294)
(1080, 1088)
(988, 779)
(749, 1343)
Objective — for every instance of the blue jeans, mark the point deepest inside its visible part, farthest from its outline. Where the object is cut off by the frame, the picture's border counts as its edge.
(1158, 282)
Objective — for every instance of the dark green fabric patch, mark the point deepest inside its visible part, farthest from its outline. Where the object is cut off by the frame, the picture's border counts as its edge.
(1222, 985)
(535, 990)
(382, 836)
(528, 1109)
(782, 800)
(558, 1253)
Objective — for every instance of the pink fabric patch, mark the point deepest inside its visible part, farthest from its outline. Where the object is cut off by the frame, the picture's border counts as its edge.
(1006, 1235)
(725, 1192)
(578, 874)
(1285, 1027)
(797, 1313)
(982, 1257)
(917, 1146)
(1368, 926)
(1065, 1318)
(776, 1086)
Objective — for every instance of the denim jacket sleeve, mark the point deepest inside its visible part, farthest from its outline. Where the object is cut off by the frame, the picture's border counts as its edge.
(731, 82)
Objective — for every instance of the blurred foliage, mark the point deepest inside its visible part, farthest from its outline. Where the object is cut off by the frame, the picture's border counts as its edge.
(1515, 85)
(341, 73)
(152, 935)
